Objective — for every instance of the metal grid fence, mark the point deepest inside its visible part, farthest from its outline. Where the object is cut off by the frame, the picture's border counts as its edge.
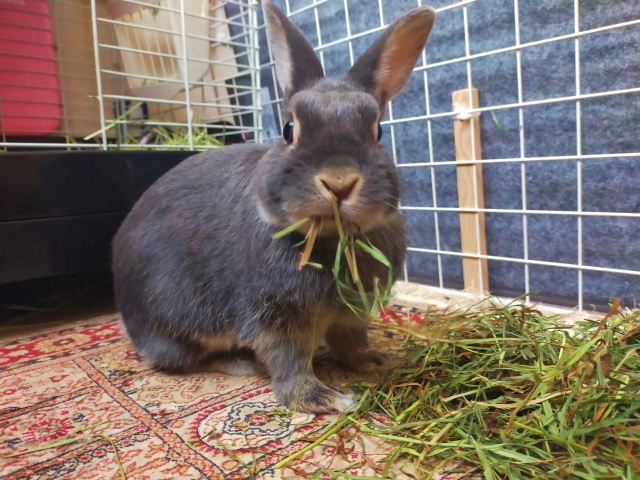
(433, 164)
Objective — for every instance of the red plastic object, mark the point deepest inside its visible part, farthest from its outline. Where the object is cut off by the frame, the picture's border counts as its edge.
(29, 88)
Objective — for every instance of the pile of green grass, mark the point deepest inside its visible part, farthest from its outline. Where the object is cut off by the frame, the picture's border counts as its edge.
(507, 392)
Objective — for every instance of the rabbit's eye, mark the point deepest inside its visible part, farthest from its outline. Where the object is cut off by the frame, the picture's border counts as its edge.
(379, 132)
(287, 132)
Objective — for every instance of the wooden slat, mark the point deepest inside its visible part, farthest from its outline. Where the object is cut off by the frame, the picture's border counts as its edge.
(472, 232)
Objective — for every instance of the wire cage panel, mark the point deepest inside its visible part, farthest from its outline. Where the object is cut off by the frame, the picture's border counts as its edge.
(142, 74)
(559, 105)
(190, 67)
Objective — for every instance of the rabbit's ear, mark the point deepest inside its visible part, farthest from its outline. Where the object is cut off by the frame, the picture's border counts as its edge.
(384, 69)
(297, 66)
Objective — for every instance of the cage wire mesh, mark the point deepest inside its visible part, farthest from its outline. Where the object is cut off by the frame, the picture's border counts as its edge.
(559, 88)
(148, 74)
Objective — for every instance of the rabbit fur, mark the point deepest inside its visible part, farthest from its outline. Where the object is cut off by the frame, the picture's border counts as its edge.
(198, 278)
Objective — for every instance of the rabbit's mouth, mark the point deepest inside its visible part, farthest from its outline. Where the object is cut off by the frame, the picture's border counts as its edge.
(338, 192)
(357, 215)
(351, 224)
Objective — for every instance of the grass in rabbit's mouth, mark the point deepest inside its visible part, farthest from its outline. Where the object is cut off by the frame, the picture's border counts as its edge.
(345, 267)
(505, 392)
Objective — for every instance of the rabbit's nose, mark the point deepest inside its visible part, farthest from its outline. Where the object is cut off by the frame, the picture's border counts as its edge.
(341, 185)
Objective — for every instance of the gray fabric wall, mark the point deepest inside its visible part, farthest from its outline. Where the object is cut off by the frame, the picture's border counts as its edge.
(609, 60)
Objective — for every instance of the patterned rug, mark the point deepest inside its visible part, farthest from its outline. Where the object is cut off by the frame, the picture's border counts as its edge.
(87, 381)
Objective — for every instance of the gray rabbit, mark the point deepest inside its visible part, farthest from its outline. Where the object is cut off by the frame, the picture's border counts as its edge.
(197, 274)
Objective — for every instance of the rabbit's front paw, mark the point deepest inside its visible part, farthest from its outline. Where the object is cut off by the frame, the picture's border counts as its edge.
(315, 397)
(374, 356)
(361, 361)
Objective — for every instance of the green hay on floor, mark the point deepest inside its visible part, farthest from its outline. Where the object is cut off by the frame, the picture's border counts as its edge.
(507, 392)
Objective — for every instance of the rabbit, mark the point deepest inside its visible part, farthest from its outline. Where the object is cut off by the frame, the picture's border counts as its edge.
(197, 274)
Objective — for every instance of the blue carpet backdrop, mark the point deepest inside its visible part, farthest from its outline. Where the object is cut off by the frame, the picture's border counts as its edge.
(609, 60)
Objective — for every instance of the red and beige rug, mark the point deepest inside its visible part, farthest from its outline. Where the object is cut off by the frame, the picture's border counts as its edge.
(86, 380)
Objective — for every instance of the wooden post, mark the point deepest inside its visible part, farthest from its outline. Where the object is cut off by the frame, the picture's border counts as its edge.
(472, 233)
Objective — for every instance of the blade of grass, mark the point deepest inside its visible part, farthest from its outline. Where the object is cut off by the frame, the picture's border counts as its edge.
(311, 240)
(292, 228)
(114, 123)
